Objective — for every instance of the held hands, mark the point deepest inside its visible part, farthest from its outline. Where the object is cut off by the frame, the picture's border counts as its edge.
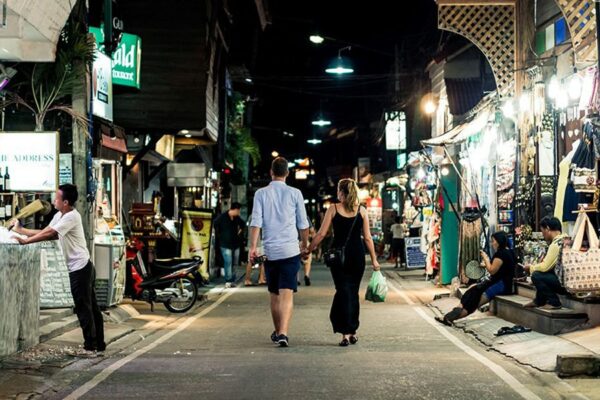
(305, 252)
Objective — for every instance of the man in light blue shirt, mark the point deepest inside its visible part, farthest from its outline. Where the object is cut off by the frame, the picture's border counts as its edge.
(279, 211)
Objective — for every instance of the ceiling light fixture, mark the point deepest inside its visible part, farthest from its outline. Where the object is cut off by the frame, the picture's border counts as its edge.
(340, 65)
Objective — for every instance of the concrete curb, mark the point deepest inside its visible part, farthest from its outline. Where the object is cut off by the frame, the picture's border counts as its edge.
(572, 365)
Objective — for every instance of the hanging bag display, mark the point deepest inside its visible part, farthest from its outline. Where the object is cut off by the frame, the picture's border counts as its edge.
(336, 256)
(584, 180)
(580, 270)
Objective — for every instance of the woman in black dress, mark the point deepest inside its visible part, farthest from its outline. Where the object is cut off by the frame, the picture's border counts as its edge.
(346, 307)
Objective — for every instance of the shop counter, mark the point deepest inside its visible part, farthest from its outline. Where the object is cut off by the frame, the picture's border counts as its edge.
(19, 296)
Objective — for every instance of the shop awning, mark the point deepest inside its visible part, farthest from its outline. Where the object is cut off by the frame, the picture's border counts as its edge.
(113, 138)
(461, 132)
(31, 28)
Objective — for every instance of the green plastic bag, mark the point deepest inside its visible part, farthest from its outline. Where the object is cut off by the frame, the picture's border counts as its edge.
(377, 289)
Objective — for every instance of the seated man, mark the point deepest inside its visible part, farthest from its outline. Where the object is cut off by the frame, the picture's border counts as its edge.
(544, 278)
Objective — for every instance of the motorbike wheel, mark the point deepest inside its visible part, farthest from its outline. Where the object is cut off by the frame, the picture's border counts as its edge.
(181, 306)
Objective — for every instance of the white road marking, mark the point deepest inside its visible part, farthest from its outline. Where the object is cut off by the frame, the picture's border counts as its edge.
(106, 372)
(495, 368)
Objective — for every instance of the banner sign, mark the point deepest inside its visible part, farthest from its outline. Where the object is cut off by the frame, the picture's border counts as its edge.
(126, 59)
(395, 130)
(196, 227)
(102, 101)
(31, 159)
(375, 213)
(415, 258)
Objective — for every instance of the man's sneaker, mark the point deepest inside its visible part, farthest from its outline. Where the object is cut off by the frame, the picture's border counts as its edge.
(274, 337)
(229, 285)
(307, 281)
(283, 341)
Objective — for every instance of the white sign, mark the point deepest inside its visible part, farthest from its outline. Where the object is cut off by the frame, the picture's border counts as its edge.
(395, 130)
(65, 169)
(32, 160)
(415, 258)
(102, 104)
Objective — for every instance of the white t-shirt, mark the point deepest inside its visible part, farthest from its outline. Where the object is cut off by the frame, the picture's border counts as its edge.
(70, 233)
(397, 231)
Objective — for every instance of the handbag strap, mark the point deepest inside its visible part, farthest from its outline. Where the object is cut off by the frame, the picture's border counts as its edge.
(352, 227)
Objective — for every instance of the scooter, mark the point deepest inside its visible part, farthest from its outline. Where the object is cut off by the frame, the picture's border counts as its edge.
(168, 282)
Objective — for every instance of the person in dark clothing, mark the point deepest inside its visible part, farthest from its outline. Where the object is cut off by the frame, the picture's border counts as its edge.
(349, 221)
(502, 272)
(228, 229)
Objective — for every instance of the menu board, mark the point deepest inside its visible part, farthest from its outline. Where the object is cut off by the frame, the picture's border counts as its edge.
(415, 258)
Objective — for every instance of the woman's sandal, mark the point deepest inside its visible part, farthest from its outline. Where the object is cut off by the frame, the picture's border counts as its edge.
(353, 339)
(344, 342)
(443, 321)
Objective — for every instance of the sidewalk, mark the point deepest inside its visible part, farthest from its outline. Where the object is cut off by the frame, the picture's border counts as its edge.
(125, 326)
(533, 349)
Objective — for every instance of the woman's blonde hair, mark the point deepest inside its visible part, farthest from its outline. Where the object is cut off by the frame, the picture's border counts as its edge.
(350, 190)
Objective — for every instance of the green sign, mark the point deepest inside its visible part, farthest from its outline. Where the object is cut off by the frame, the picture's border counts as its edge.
(400, 160)
(126, 59)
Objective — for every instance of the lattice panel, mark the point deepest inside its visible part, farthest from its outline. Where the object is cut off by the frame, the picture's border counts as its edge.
(492, 29)
(581, 20)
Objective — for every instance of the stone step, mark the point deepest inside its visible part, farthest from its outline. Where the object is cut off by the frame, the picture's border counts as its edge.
(57, 328)
(591, 307)
(53, 315)
(549, 322)
(525, 289)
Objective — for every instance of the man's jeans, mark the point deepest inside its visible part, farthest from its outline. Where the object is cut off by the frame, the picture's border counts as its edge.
(228, 257)
(86, 307)
(547, 287)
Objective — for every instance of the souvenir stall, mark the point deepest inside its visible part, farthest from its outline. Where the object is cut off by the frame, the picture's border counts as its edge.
(478, 175)
(420, 212)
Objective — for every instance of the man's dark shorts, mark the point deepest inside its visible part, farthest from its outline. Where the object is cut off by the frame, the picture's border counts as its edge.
(282, 274)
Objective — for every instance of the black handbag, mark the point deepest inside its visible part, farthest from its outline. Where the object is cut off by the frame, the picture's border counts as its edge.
(336, 256)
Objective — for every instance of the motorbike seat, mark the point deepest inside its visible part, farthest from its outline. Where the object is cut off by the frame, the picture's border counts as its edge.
(173, 264)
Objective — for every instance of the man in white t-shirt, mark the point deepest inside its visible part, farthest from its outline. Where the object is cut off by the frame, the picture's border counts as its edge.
(66, 226)
(398, 230)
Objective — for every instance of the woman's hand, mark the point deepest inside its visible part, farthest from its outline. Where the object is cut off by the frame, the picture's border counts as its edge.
(376, 266)
(484, 256)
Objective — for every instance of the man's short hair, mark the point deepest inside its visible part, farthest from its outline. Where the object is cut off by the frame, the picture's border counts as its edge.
(279, 167)
(69, 193)
(235, 206)
(551, 223)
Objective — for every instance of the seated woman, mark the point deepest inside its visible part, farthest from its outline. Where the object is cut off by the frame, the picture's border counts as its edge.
(502, 271)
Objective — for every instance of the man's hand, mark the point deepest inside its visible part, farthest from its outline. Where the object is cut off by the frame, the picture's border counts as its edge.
(252, 254)
(527, 268)
(14, 225)
(21, 240)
